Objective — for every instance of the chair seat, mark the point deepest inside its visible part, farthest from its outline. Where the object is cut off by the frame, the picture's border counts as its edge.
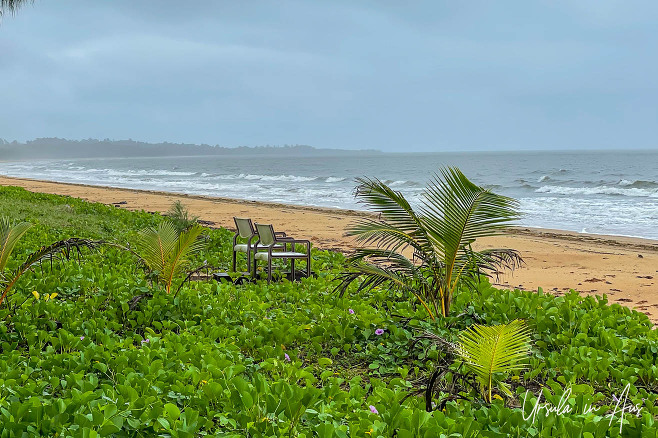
(280, 254)
(243, 247)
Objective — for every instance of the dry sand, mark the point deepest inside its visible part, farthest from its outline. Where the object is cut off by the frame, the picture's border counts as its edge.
(626, 269)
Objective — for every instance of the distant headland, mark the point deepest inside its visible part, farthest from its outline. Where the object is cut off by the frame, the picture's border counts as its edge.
(45, 148)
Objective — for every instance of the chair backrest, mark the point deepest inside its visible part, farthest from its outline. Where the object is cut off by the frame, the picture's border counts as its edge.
(266, 234)
(245, 227)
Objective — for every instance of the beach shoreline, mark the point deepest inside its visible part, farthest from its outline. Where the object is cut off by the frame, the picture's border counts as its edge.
(621, 267)
(607, 239)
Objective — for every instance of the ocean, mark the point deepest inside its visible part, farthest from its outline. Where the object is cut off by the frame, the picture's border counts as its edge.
(601, 192)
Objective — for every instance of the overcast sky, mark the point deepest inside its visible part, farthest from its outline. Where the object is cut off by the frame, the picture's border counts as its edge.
(389, 75)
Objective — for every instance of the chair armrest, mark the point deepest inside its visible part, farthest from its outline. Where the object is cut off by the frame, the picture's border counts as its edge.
(303, 242)
(280, 234)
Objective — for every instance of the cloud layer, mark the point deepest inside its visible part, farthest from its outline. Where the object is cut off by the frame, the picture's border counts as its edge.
(429, 77)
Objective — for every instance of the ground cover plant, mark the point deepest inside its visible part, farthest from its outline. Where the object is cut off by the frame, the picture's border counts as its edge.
(80, 356)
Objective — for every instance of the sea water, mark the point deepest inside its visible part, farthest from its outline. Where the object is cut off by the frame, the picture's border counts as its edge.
(602, 192)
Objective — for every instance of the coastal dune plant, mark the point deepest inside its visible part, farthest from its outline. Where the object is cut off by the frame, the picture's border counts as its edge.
(427, 252)
(167, 252)
(11, 234)
(479, 362)
(179, 215)
(492, 352)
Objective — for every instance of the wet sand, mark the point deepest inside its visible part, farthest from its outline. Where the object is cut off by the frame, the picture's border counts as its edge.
(626, 269)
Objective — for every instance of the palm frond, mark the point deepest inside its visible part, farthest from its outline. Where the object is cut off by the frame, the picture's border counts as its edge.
(9, 237)
(393, 208)
(187, 244)
(471, 265)
(460, 211)
(373, 274)
(376, 267)
(494, 260)
(381, 257)
(166, 252)
(384, 235)
(62, 249)
(155, 245)
(489, 351)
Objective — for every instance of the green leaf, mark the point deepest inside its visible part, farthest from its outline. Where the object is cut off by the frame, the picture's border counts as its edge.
(172, 411)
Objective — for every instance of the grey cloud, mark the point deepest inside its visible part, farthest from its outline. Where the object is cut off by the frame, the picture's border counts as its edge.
(373, 74)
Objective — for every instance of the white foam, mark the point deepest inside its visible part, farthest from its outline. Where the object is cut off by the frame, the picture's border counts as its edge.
(600, 190)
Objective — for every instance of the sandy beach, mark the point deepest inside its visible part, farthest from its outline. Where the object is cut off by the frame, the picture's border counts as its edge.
(623, 268)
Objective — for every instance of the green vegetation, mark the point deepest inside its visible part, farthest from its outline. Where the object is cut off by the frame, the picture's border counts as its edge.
(167, 252)
(99, 351)
(454, 212)
(9, 238)
(181, 217)
(491, 351)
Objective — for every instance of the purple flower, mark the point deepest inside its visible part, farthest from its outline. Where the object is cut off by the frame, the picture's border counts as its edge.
(145, 341)
(286, 356)
(379, 332)
(351, 311)
(82, 338)
(373, 409)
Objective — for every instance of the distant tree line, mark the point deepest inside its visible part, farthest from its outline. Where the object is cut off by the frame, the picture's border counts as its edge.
(43, 148)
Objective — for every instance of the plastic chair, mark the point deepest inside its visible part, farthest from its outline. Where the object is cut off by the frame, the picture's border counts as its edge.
(269, 240)
(246, 231)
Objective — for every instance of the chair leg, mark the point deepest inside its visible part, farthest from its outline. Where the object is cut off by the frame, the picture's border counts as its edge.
(292, 269)
(308, 266)
(269, 269)
(235, 254)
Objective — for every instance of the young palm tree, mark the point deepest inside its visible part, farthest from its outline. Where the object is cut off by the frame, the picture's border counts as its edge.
(492, 351)
(9, 238)
(453, 213)
(166, 251)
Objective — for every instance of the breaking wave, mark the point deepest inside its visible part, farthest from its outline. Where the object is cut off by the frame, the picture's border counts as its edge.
(600, 190)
